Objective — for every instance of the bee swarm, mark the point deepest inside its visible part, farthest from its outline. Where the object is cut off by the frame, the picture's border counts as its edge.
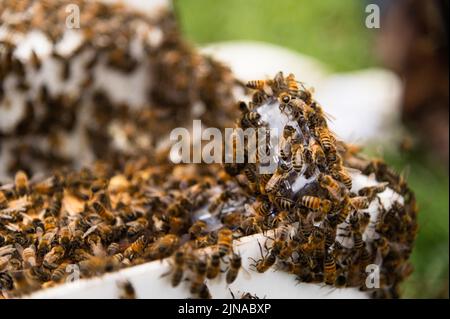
(112, 89)
(333, 211)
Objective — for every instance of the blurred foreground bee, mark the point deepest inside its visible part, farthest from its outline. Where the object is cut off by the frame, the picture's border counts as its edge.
(127, 290)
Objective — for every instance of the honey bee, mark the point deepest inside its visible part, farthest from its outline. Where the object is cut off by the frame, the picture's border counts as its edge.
(213, 266)
(6, 281)
(177, 269)
(317, 154)
(345, 208)
(273, 182)
(29, 255)
(118, 258)
(316, 203)
(23, 284)
(326, 138)
(382, 246)
(288, 249)
(65, 237)
(46, 187)
(333, 187)
(204, 292)
(100, 209)
(21, 183)
(259, 97)
(198, 279)
(54, 208)
(135, 228)
(235, 266)
(136, 248)
(197, 229)
(285, 148)
(262, 85)
(45, 243)
(127, 290)
(284, 203)
(263, 180)
(263, 264)
(252, 224)
(360, 202)
(250, 119)
(163, 247)
(356, 232)
(224, 241)
(371, 191)
(292, 84)
(113, 249)
(329, 268)
(298, 158)
(99, 185)
(342, 175)
(284, 98)
(52, 258)
(59, 273)
(264, 208)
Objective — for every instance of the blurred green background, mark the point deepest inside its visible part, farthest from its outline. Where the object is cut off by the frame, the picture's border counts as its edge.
(333, 32)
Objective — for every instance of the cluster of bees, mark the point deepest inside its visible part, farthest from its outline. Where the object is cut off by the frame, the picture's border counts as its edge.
(130, 207)
(77, 104)
(103, 221)
(323, 228)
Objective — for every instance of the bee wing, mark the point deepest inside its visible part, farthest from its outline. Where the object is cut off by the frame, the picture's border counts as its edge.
(13, 228)
(90, 231)
(5, 216)
(26, 216)
(329, 117)
(7, 250)
(8, 186)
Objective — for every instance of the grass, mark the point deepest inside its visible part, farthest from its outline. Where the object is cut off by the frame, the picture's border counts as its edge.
(333, 31)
